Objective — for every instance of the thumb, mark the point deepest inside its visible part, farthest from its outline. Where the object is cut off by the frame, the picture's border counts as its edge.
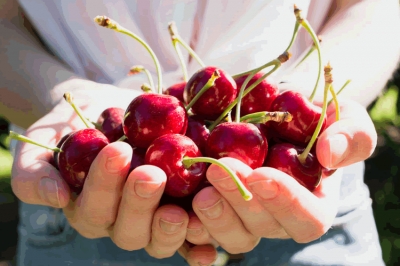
(350, 140)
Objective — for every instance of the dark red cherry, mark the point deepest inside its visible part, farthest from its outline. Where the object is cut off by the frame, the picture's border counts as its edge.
(54, 161)
(137, 158)
(283, 156)
(260, 97)
(215, 100)
(305, 117)
(151, 115)
(198, 132)
(78, 153)
(176, 90)
(242, 141)
(111, 123)
(167, 153)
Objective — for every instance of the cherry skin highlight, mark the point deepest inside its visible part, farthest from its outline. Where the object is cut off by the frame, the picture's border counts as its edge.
(78, 154)
(283, 156)
(243, 141)
(305, 117)
(167, 153)
(151, 115)
(216, 99)
(111, 123)
(260, 97)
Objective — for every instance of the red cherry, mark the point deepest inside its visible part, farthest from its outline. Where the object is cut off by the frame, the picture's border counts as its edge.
(54, 161)
(242, 141)
(198, 132)
(260, 98)
(167, 153)
(78, 153)
(305, 117)
(283, 156)
(111, 123)
(176, 90)
(151, 115)
(216, 99)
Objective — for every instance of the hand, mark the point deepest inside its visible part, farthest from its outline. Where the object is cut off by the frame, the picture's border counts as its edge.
(111, 204)
(281, 207)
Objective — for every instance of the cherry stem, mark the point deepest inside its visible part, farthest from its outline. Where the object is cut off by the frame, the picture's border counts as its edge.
(328, 83)
(176, 38)
(208, 85)
(173, 32)
(111, 24)
(294, 35)
(122, 138)
(276, 63)
(22, 138)
(68, 97)
(138, 69)
(146, 88)
(335, 100)
(312, 49)
(306, 25)
(341, 89)
(265, 116)
(246, 194)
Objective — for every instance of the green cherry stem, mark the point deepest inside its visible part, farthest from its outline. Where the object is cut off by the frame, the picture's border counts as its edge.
(208, 85)
(328, 83)
(265, 116)
(138, 69)
(335, 100)
(246, 194)
(276, 63)
(341, 89)
(146, 88)
(174, 32)
(68, 97)
(304, 23)
(312, 49)
(111, 24)
(22, 138)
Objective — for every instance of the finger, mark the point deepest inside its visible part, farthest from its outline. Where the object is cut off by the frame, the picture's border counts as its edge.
(253, 215)
(305, 216)
(34, 180)
(197, 234)
(168, 231)
(221, 221)
(141, 195)
(351, 139)
(198, 254)
(96, 207)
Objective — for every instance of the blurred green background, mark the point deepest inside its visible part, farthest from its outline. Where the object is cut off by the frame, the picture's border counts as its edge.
(382, 172)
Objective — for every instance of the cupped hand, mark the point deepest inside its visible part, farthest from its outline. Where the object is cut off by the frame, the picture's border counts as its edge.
(281, 207)
(112, 203)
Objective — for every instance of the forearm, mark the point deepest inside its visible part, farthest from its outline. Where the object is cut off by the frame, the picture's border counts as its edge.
(361, 42)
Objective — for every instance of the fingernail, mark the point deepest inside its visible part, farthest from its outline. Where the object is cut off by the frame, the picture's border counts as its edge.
(338, 145)
(226, 183)
(213, 211)
(48, 190)
(266, 189)
(169, 227)
(195, 232)
(146, 189)
(113, 164)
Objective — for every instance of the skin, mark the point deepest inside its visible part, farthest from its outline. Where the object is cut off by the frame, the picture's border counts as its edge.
(37, 113)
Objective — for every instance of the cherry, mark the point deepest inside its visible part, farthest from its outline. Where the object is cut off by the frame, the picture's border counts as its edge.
(78, 153)
(138, 155)
(284, 157)
(168, 152)
(305, 117)
(198, 132)
(216, 99)
(260, 97)
(151, 115)
(242, 141)
(110, 121)
(54, 161)
(176, 90)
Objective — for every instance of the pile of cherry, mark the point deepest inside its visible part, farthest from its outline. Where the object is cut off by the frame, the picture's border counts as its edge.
(181, 131)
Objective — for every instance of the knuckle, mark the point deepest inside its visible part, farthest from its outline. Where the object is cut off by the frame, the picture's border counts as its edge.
(129, 244)
(159, 253)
